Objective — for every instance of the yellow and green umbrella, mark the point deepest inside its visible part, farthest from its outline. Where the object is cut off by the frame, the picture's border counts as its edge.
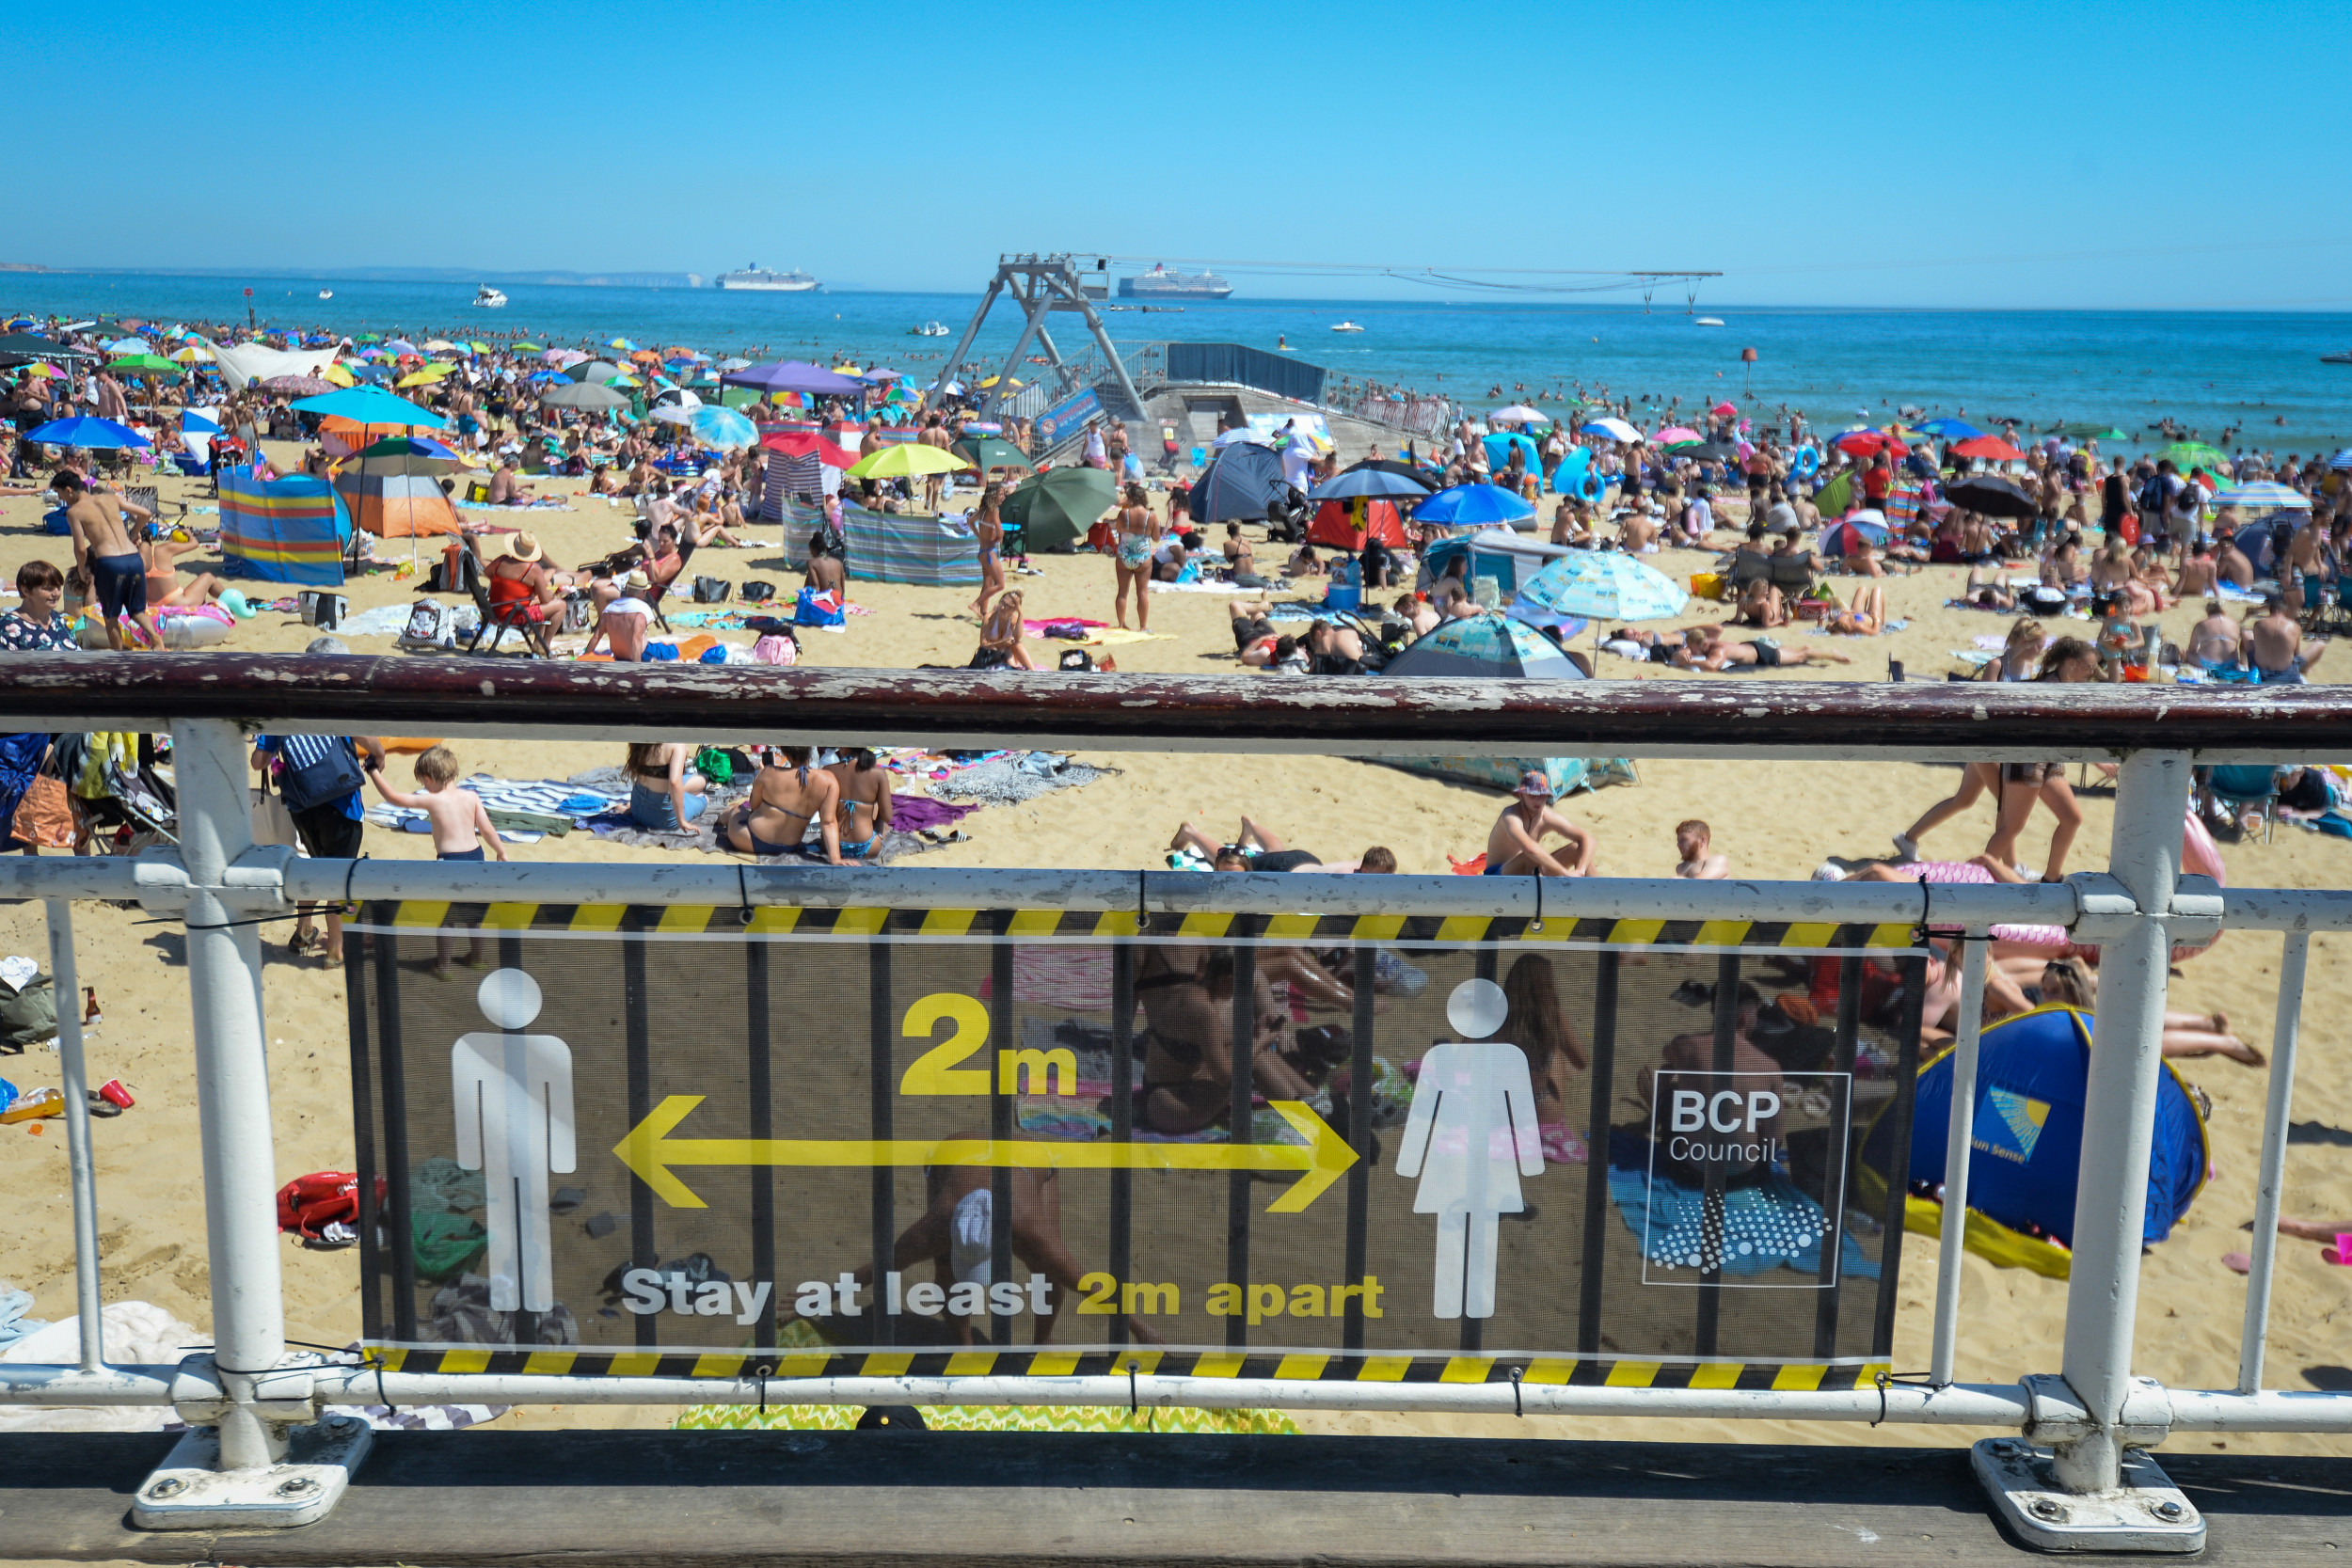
(908, 460)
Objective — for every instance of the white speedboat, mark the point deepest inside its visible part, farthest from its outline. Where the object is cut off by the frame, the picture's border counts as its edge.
(1709, 321)
(928, 329)
(1345, 326)
(326, 293)
(489, 298)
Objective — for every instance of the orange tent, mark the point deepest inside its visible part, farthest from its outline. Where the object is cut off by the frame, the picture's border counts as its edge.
(1344, 524)
(397, 506)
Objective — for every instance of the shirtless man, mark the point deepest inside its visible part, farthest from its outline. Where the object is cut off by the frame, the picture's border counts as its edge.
(625, 621)
(1705, 648)
(933, 433)
(506, 486)
(2274, 643)
(2234, 568)
(2213, 644)
(103, 549)
(1636, 533)
(2197, 574)
(1515, 844)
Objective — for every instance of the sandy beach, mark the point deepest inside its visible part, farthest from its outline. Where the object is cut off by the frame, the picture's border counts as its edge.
(1775, 819)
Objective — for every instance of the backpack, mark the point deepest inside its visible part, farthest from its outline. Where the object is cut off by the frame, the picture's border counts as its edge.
(818, 610)
(29, 1016)
(712, 589)
(776, 648)
(319, 770)
(309, 1205)
(431, 625)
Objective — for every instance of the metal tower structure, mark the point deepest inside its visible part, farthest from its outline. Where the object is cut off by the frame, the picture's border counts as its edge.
(1040, 285)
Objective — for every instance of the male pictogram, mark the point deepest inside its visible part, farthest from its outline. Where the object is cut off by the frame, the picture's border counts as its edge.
(514, 1096)
(1471, 1136)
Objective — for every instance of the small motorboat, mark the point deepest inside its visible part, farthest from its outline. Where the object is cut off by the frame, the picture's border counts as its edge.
(489, 298)
(2343, 358)
(1345, 326)
(928, 329)
(1709, 321)
(326, 293)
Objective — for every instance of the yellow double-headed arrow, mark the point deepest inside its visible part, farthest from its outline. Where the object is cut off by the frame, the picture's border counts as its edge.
(650, 1151)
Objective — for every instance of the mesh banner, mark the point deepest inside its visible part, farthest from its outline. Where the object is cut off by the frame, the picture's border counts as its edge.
(792, 1142)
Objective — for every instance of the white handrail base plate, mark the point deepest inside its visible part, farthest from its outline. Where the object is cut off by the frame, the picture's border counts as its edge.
(190, 1491)
(2147, 1513)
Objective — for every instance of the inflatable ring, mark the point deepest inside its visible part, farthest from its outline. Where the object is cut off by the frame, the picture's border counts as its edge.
(1808, 462)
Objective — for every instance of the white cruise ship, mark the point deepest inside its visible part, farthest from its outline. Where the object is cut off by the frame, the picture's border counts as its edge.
(772, 282)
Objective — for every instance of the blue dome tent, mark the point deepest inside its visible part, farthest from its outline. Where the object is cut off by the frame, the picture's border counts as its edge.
(2026, 1144)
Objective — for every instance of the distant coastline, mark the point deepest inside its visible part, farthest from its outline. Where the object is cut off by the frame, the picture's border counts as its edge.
(559, 279)
(23, 266)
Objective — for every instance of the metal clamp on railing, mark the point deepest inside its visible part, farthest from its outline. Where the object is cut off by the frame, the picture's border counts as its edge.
(2195, 917)
(281, 1395)
(2056, 1414)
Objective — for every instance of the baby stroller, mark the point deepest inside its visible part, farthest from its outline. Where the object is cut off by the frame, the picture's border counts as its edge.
(122, 804)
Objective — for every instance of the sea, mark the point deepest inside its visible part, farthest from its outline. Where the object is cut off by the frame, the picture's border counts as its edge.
(2256, 374)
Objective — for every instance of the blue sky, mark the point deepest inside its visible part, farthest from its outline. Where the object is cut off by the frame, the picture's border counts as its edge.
(2156, 155)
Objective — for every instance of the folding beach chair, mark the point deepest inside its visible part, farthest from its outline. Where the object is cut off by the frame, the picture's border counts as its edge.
(2246, 786)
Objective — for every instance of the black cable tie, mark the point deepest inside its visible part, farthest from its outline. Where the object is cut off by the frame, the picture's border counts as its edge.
(742, 895)
(1882, 1380)
(763, 1371)
(1538, 924)
(351, 872)
(1142, 915)
(1133, 1405)
(1516, 1408)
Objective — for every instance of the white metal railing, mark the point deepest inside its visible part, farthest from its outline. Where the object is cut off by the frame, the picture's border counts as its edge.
(255, 1403)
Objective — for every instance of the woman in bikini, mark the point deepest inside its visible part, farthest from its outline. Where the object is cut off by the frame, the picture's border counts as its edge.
(865, 803)
(1189, 1069)
(1865, 617)
(785, 797)
(1138, 534)
(987, 523)
(164, 587)
(1002, 633)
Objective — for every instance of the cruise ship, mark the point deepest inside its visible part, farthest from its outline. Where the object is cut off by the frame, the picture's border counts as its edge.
(754, 277)
(1160, 283)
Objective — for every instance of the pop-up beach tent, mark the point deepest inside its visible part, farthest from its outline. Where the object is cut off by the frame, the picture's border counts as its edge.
(397, 506)
(283, 530)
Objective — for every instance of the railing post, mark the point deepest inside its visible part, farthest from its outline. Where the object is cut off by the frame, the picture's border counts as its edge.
(2097, 1491)
(238, 1463)
(73, 1077)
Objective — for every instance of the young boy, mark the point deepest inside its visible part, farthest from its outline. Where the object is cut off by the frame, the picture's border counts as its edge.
(460, 829)
(1691, 841)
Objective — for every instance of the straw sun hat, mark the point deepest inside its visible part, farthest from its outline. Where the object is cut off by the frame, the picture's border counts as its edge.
(523, 547)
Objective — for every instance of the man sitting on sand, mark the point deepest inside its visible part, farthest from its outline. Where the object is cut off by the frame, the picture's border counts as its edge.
(506, 486)
(625, 621)
(2274, 643)
(1515, 844)
(2212, 643)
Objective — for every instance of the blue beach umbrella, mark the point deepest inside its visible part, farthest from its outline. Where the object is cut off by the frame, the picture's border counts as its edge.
(723, 428)
(86, 432)
(1603, 585)
(197, 425)
(1472, 504)
(369, 405)
(1484, 647)
(1951, 430)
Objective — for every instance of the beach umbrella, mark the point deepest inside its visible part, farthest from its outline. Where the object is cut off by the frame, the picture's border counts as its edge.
(550, 378)
(88, 433)
(1390, 466)
(793, 376)
(336, 376)
(584, 369)
(38, 372)
(1485, 647)
(404, 454)
(584, 395)
(197, 422)
(735, 364)
(623, 379)
(1519, 413)
(1055, 509)
(1674, 432)
(130, 345)
(364, 372)
(723, 428)
(1951, 430)
(1615, 429)
(425, 377)
(1370, 484)
(1840, 538)
(526, 348)
(2342, 462)
(1834, 497)
(1869, 443)
(142, 364)
(195, 354)
(671, 413)
(399, 345)
(1603, 585)
(1992, 494)
(371, 406)
(20, 346)
(906, 460)
(646, 356)
(1705, 452)
(1724, 410)
(2264, 497)
(623, 344)
(480, 348)
(1472, 504)
(440, 345)
(2185, 455)
(1991, 448)
(560, 357)
(1231, 437)
(987, 451)
(297, 386)
(2086, 432)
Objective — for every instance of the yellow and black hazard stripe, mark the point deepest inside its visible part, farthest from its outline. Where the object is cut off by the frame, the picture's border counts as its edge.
(688, 921)
(1301, 1367)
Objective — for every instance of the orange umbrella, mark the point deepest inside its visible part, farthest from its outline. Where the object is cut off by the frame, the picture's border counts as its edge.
(1991, 448)
(646, 356)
